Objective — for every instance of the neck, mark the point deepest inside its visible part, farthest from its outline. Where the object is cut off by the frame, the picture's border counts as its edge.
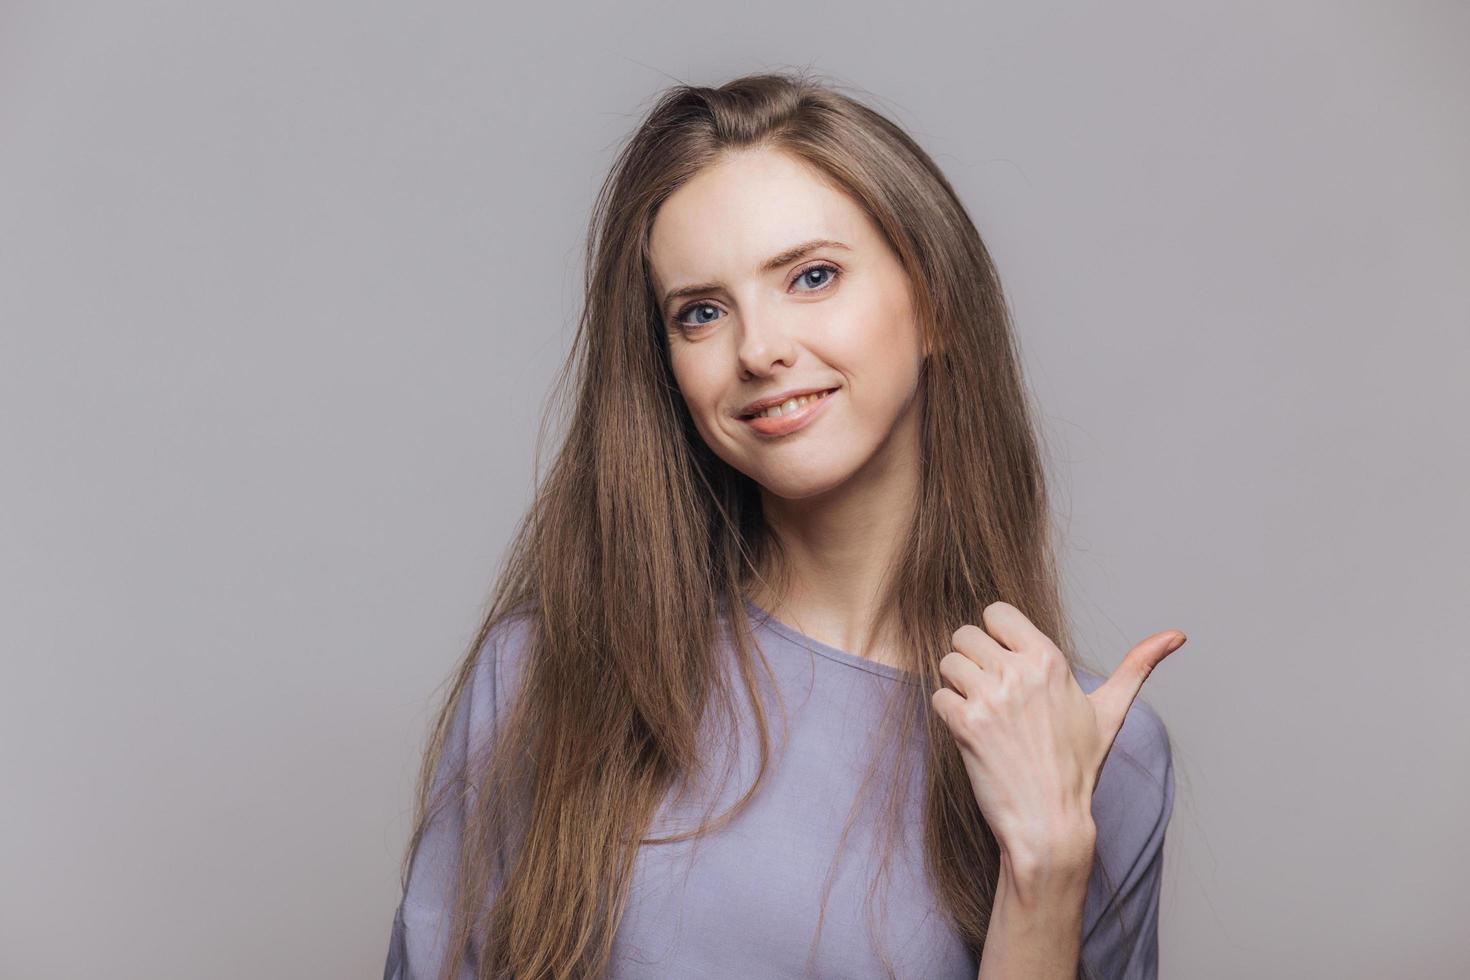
(841, 545)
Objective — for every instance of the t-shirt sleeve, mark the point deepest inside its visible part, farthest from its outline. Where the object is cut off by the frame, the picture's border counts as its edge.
(420, 931)
(1131, 807)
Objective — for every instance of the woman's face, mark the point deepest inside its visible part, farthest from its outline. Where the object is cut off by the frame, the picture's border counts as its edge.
(838, 316)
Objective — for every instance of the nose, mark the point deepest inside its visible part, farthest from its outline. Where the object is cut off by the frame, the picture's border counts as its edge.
(765, 340)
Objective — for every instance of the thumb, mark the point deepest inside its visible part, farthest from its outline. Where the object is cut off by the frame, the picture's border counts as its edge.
(1115, 696)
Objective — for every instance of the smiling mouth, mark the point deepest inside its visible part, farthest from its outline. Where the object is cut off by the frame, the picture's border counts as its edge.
(801, 403)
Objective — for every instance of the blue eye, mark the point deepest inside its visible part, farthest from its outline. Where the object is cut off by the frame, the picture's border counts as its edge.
(691, 308)
(803, 276)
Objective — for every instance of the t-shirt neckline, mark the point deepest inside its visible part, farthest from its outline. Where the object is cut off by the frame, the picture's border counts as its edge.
(793, 635)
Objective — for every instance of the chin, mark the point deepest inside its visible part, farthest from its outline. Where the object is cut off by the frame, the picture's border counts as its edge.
(800, 486)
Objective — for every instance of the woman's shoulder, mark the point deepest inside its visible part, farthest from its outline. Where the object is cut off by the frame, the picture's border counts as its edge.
(505, 643)
(499, 664)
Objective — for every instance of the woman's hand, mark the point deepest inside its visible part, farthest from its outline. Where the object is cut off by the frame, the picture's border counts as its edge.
(1033, 742)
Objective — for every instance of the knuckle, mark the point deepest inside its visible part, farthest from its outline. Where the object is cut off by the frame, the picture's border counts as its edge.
(1053, 663)
(1010, 683)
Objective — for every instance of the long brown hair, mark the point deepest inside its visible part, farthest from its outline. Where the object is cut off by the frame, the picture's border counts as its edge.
(640, 537)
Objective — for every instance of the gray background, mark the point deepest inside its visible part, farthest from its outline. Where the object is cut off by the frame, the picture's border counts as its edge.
(283, 287)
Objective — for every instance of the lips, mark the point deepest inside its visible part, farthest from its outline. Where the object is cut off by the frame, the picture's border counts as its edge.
(783, 425)
(757, 407)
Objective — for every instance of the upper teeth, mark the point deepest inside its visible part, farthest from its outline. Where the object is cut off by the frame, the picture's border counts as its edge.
(788, 406)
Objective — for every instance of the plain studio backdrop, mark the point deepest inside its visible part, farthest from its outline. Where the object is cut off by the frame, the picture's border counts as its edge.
(283, 287)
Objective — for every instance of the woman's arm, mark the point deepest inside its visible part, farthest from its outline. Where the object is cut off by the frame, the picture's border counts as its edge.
(1036, 922)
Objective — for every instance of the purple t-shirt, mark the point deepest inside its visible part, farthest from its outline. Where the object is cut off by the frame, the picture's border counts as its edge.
(743, 901)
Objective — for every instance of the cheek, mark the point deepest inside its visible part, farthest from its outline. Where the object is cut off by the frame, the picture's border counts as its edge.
(896, 334)
(875, 323)
(700, 390)
(880, 347)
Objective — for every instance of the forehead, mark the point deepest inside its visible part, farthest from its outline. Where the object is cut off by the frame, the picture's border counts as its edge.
(737, 212)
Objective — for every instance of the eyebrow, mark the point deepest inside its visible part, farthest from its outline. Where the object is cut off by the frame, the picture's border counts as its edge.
(769, 265)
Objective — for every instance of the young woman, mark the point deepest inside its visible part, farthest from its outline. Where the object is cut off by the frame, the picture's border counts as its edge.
(800, 490)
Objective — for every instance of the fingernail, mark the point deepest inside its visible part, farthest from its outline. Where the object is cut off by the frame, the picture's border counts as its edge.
(1176, 643)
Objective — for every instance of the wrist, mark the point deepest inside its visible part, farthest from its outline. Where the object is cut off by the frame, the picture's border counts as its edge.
(1061, 854)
